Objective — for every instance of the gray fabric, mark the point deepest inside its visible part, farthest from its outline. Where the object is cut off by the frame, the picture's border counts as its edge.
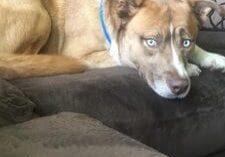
(68, 135)
(119, 98)
(212, 41)
(220, 154)
(14, 106)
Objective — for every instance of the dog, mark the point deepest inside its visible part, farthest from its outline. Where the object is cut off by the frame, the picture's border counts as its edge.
(156, 37)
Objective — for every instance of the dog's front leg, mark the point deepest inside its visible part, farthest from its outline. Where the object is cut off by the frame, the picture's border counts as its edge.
(207, 59)
(193, 70)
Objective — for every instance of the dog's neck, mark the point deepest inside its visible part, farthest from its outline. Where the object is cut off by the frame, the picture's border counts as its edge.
(108, 31)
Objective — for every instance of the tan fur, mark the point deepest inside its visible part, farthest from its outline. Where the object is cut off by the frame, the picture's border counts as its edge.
(49, 27)
(24, 26)
(22, 66)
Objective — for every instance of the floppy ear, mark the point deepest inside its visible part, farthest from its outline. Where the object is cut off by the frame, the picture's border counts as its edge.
(127, 8)
(202, 8)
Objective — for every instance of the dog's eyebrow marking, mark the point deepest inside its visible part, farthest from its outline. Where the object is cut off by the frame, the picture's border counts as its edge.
(176, 60)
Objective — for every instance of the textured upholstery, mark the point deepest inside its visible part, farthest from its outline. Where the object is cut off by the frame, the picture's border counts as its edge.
(119, 98)
(67, 135)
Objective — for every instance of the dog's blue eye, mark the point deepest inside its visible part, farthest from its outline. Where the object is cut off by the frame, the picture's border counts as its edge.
(152, 43)
(186, 43)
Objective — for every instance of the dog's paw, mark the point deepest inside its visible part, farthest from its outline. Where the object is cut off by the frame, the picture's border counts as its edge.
(214, 62)
(193, 70)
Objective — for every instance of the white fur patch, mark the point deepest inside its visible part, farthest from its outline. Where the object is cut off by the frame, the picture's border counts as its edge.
(208, 60)
(178, 64)
(162, 89)
(114, 52)
(193, 70)
(215, 62)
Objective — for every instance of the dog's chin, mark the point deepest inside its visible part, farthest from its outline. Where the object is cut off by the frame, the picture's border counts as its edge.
(161, 88)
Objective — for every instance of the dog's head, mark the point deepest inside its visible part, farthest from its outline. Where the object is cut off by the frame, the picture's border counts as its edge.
(156, 37)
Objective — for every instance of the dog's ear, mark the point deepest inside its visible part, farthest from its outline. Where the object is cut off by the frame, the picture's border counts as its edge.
(202, 8)
(127, 8)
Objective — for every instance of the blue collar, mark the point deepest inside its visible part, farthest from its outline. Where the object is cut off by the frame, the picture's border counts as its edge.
(103, 24)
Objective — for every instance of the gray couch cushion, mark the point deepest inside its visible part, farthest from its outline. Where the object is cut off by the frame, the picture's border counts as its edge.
(119, 98)
(14, 106)
(220, 154)
(212, 41)
(67, 135)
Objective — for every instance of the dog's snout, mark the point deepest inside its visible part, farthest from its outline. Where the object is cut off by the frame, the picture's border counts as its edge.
(178, 86)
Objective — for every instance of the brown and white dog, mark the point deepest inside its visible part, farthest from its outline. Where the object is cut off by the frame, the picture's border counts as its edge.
(156, 37)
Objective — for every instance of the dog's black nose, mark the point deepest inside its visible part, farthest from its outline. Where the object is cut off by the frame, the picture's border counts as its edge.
(178, 86)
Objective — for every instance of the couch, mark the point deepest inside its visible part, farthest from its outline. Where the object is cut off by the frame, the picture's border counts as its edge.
(121, 100)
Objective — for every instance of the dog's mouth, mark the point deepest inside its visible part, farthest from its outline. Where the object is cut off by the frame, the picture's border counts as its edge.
(162, 88)
(176, 88)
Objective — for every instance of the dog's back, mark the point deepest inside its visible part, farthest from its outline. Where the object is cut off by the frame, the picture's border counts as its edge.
(31, 27)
